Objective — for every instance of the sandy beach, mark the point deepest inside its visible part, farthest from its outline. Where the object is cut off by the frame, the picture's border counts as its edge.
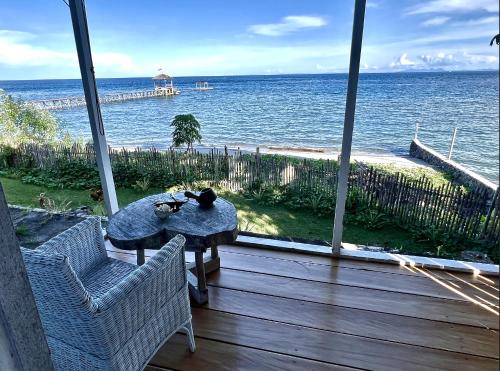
(397, 160)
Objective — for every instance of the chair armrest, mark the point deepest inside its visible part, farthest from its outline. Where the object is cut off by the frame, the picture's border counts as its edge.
(151, 285)
(82, 244)
(122, 311)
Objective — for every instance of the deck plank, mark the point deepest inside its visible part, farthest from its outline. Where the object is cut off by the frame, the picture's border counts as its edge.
(280, 312)
(325, 346)
(215, 355)
(415, 284)
(356, 264)
(382, 326)
(355, 297)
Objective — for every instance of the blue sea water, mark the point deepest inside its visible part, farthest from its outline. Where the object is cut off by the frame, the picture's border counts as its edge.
(302, 111)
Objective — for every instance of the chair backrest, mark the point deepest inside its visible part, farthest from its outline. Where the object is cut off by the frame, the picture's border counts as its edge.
(61, 299)
(83, 244)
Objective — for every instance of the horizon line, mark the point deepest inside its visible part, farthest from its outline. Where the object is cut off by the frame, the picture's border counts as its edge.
(279, 74)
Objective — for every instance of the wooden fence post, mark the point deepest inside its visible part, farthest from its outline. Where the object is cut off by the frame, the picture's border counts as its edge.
(23, 345)
(452, 143)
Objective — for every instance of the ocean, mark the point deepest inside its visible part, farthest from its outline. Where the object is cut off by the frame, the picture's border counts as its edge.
(301, 111)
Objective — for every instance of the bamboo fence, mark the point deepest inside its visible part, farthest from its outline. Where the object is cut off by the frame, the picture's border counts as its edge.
(417, 202)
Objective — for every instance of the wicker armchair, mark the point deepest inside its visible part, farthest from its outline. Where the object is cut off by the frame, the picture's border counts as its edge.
(99, 313)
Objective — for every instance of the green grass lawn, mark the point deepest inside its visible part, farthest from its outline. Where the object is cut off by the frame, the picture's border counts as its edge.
(253, 217)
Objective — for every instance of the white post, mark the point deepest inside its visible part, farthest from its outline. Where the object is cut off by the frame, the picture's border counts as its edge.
(350, 108)
(452, 143)
(82, 41)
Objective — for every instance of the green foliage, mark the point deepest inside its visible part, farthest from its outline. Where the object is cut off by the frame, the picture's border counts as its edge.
(186, 131)
(355, 200)
(142, 185)
(278, 219)
(304, 199)
(7, 156)
(141, 173)
(372, 220)
(437, 178)
(74, 174)
(22, 123)
(52, 205)
(22, 231)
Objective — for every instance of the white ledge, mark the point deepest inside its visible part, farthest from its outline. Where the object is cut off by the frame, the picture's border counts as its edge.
(350, 251)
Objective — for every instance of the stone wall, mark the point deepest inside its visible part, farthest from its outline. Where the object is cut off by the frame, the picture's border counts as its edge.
(460, 174)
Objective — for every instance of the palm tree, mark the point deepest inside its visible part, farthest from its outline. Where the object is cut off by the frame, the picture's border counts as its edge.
(496, 39)
(186, 131)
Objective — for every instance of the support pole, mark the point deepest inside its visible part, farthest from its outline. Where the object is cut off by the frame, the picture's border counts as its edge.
(82, 42)
(350, 108)
(452, 144)
(23, 346)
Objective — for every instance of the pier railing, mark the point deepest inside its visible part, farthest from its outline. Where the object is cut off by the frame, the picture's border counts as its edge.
(70, 102)
(450, 209)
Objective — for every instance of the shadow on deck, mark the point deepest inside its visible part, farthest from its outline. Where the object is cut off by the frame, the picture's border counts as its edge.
(279, 310)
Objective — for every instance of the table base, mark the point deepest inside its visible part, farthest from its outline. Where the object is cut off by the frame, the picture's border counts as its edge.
(197, 272)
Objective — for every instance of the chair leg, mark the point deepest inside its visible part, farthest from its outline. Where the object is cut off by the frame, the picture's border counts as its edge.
(190, 334)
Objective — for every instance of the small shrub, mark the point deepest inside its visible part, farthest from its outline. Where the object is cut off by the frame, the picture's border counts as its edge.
(7, 156)
(142, 185)
(22, 231)
(53, 206)
(372, 219)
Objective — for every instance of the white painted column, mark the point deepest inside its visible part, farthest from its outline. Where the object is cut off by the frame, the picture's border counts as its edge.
(350, 108)
(82, 41)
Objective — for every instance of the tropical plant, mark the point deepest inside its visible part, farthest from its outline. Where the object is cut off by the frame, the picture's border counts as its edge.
(372, 219)
(52, 205)
(495, 39)
(142, 185)
(21, 122)
(186, 131)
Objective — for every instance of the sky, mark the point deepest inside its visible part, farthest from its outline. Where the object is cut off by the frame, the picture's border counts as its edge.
(241, 37)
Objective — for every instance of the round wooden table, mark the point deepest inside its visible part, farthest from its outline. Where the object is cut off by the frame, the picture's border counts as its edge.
(136, 227)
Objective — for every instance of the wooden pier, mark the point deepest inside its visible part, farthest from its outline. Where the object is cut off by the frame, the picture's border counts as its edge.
(70, 102)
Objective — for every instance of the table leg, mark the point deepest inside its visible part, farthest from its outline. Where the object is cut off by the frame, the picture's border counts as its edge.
(140, 257)
(198, 289)
(214, 251)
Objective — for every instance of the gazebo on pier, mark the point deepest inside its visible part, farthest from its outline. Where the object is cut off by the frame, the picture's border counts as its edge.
(165, 83)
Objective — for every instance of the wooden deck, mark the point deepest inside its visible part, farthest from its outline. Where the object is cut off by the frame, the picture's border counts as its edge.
(286, 311)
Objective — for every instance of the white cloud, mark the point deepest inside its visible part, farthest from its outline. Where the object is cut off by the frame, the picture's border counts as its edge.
(436, 21)
(477, 21)
(17, 50)
(402, 61)
(287, 25)
(324, 68)
(454, 6)
(450, 61)
(121, 62)
(440, 59)
(372, 4)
